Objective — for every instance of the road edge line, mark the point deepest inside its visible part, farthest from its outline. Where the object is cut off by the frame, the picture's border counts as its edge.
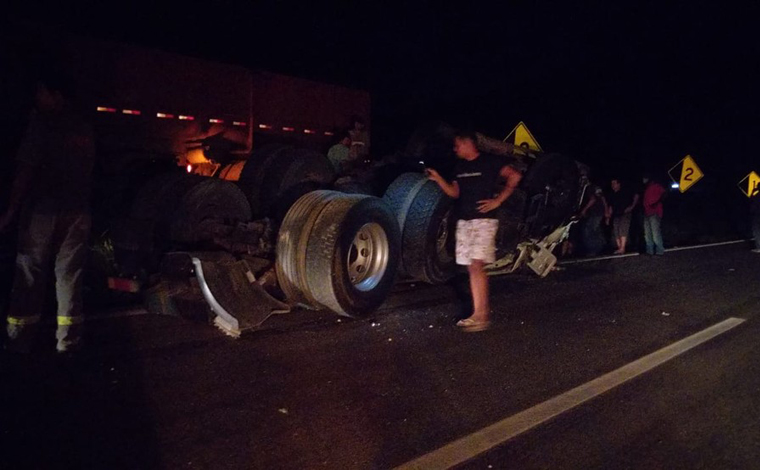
(479, 442)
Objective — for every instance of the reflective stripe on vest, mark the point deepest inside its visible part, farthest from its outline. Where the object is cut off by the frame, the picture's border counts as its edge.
(22, 321)
(68, 321)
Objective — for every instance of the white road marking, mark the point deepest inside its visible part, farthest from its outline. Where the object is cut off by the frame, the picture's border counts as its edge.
(706, 245)
(596, 258)
(628, 255)
(470, 446)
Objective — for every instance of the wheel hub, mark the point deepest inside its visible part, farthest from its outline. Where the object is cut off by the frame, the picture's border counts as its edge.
(368, 257)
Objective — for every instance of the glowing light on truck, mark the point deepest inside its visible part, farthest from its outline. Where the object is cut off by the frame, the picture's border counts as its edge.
(216, 121)
(132, 112)
(238, 123)
(264, 126)
(164, 116)
(185, 118)
(308, 131)
(104, 109)
(288, 129)
(328, 133)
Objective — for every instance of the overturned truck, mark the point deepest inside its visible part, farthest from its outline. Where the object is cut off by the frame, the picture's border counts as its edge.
(316, 247)
(217, 202)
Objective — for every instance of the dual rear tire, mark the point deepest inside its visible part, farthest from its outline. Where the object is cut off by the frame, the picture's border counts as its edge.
(338, 252)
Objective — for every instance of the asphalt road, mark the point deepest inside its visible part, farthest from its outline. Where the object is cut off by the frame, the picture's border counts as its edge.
(313, 390)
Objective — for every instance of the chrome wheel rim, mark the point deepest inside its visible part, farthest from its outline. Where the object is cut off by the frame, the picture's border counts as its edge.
(367, 258)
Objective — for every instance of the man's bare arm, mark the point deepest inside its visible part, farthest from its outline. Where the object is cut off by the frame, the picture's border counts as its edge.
(512, 178)
(451, 189)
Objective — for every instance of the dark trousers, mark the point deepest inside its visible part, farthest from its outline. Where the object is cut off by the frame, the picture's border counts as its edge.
(57, 241)
(653, 234)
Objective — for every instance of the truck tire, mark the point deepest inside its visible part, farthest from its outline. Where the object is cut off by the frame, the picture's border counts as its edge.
(257, 172)
(211, 199)
(338, 252)
(292, 242)
(177, 203)
(302, 171)
(153, 197)
(353, 255)
(428, 237)
(423, 213)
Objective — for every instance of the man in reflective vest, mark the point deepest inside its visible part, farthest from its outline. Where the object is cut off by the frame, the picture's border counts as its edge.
(50, 199)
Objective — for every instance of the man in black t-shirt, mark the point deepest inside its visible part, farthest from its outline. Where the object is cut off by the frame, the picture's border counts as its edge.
(475, 187)
(622, 201)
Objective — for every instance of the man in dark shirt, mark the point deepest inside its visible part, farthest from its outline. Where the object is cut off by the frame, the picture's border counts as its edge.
(592, 213)
(50, 197)
(621, 205)
(475, 186)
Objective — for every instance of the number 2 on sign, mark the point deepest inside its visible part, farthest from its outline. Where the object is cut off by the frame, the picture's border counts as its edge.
(689, 173)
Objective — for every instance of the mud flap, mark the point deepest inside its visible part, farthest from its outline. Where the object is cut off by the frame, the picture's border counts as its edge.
(239, 303)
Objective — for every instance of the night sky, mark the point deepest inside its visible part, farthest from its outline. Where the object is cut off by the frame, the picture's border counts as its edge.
(624, 86)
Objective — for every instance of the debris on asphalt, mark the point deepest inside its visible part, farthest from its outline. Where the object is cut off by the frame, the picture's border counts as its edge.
(283, 411)
(665, 314)
(430, 326)
(375, 324)
(390, 339)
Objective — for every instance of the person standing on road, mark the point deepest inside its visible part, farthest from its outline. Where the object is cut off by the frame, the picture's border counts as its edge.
(50, 198)
(474, 186)
(621, 205)
(593, 213)
(754, 205)
(654, 194)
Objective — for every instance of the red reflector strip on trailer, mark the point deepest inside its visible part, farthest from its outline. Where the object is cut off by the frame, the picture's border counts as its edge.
(238, 123)
(216, 121)
(264, 126)
(308, 131)
(329, 133)
(104, 109)
(133, 112)
(185, 118)
(288, 129)
(164, 116)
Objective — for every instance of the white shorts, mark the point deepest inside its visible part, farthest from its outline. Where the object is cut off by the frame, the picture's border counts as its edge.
(476, 240)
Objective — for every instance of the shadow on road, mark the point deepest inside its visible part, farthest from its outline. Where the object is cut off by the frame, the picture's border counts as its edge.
(82, 412)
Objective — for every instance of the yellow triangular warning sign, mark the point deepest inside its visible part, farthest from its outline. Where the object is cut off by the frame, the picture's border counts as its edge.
(750, 185)
(521, 136)
(689, 174)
